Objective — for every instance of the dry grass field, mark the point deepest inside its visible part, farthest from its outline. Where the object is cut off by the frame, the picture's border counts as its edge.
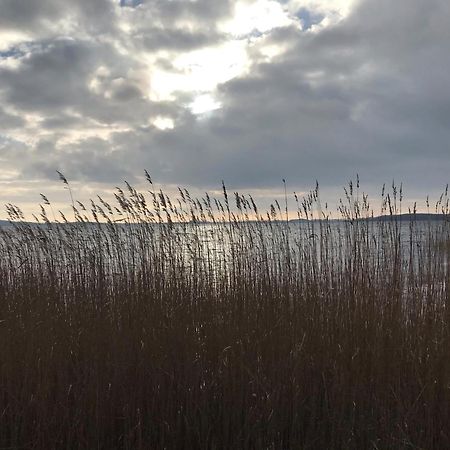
(159, 323)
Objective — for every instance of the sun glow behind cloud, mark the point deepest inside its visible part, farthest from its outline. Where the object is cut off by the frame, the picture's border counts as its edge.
(198, 73)
(260, 16)
(163, 123)
(203, 104)
(11, 38)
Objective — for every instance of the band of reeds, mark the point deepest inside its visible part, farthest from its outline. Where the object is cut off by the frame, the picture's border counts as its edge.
(184, 323)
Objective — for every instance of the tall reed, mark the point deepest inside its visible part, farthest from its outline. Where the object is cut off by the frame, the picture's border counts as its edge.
(185, 323)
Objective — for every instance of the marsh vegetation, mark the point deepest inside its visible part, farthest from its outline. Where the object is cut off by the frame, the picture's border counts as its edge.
(163, 323)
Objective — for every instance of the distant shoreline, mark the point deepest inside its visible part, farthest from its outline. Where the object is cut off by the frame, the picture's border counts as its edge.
(407, 217)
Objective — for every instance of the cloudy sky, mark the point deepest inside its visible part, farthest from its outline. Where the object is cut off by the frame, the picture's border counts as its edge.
(249, 91)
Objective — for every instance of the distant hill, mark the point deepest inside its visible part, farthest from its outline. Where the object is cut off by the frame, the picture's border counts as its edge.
(409, 217)
(399, 218)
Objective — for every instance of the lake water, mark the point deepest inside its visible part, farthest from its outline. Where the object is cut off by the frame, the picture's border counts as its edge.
(218, 245)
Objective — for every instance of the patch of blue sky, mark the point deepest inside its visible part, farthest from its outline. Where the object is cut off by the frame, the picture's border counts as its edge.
(12, 53)
(308, 18)
(23, 49)
(130, 3)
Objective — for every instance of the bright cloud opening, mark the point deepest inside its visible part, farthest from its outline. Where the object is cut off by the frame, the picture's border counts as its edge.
(163, 123)
(199, 71)
(204, 69)
(11, 38)
(203, 104)
(256, 16)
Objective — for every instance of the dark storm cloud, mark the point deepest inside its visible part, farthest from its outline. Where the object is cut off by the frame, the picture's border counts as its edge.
(176, 39)
(56, 77)
(49, 77)
(92, 159)
(23, 15)
(369, 95)
(50, 17)
(162, 25)
(196, 11)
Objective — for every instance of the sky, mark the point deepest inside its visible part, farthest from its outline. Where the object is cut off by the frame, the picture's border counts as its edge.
(247, 91)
